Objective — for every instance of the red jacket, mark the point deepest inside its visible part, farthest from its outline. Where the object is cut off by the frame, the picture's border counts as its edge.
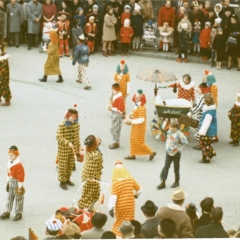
(166, 15)
(125, 16)
(118, 103)
(16, 171)
(205, 38)
(126, 34)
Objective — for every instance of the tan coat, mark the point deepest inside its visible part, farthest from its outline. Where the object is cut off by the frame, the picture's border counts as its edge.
(180, 218)
(165, 34)
(146, 9)
(51, 66)
(108, 28)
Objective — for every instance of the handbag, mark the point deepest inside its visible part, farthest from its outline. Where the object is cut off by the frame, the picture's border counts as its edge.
(191, 122)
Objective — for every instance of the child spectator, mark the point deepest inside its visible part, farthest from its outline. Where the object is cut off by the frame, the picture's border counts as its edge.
(195, 38)
(175, 143)
(76, 32)
(126, 34)
(81, 18)
(205, 39)
(218, 46)
(191, 211)
(210, 17)
(126, 14)
(218, 10)
(137, 25)
(234, 116)
(165, 37)
(91, 32)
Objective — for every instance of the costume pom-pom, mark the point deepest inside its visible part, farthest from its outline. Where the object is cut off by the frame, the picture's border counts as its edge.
(122, 62)
(75, 105)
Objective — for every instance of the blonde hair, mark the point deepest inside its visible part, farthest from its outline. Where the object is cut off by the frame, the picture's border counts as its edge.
(208, 99)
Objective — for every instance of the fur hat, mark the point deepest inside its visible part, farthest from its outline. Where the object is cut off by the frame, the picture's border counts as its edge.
(14, 150)
(127, 22)
(95, 6)
(208, 24)
(127, 7)
(218, 20)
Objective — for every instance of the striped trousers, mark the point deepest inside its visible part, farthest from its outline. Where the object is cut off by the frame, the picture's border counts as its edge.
(13, 183)
(116, 126)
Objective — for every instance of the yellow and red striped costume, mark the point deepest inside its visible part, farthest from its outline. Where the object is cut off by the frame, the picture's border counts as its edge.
(122, 79)
(138, 131)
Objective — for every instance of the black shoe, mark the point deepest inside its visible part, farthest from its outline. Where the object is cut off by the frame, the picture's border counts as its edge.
(68, 182)
(44, 79)
(175, 184)
(203, 161)
(161, 185)
(29, 48)
(63, 185)
(17, 46)
(60, 79)
(17, 217)
(5, 215)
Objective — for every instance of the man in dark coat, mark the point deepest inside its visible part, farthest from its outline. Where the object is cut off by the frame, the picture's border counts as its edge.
(149, 227)
(214, 229)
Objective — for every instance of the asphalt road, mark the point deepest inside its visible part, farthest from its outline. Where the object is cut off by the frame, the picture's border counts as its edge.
(37, 109)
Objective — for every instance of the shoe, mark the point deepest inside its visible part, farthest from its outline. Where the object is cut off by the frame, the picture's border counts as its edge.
(161, 185)
(5, 104)
(17, 46)
(127, 54)
(202, 161)
(5, 215)
(68, 182)
(179, 60)
(197, 147)
(236, 144)
(104, 53)
(229, 67)
(152, 156)
(232, 142)
(175, 184)
(63, 185)
(60, 79)
(109, 52)
(130, 157)
(17, 217)
(238, 69)
(87, 87)
(29, 48)
(67, 55)
(44, 79)
(185, 60)
(114, 145)
(215, 139)
(79, 81)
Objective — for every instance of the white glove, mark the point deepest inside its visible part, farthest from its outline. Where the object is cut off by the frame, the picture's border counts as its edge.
(189, 114)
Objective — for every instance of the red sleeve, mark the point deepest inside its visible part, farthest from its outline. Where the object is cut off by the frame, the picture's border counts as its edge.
(20, 173)
(121, 104)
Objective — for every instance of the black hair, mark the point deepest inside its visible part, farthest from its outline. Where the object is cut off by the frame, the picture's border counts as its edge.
(207, 204)
(168, 227)
(108, 235)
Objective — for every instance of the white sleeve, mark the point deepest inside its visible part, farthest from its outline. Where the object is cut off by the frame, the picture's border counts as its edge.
(137, 193)
(205, 125)
(114, 109)
(138, 120)
(112, 202)
(128, 87)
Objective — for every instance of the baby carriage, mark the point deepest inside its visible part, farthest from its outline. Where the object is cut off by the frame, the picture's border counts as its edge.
(47, 27)
(149, 35)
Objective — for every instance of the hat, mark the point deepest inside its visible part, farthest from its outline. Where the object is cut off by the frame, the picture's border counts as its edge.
(191, 207)
(91, 17)
(127, 7)
(127, 22)
(218, 20)
(137, 227)
(79, 9)
(14, 150)
(53, 224)
(89, 141)
(210, 9)
(99, 220)
(204, 87)
(136, 7)
(149, 207)
(234, 17)
(126, 227)
(64, 13)
(82, 37)
(71, 111)
(208, 23)
(116, 86)
(179, 194)
(95, 6)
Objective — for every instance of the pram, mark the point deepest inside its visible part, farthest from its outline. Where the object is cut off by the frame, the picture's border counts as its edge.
(149, 35)
(47, 27)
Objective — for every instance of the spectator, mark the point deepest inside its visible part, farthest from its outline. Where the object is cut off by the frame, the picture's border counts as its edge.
(126, 14)
(226, 5)
(23, 33)
(178, 6)
(15, 19)
(49, 11)
(65, 8)
(88, 8)
(210, 17)
(81, 18)
(226, 23)
(205, 40)
(179, 15)
(207, 6)
(234, 47)
(131, 3)
(191, 211)
(231, 233)
(165, 37)
(175, 212)
(196, 14)
(149, 227)
(74, 7)
(70, 231)
(113, 3)
(167, 229)
(237, 235)
(91, 33)
(195, 38)
(137, 24)
(166, 14)
(108, 235)
(214, 229)
(146, 9)
(127, 230)
(76, 32)
(186, 6)
(218, 10)
(53, 226)
(98, 221)
(117, 27)
(137, 228)
(34, 11)
(3, 23)
(109, 33)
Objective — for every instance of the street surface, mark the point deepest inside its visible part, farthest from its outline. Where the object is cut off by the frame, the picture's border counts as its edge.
(37, 109)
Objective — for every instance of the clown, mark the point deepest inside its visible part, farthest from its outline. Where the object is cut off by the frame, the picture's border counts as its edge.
(68, 143)
(137, 120)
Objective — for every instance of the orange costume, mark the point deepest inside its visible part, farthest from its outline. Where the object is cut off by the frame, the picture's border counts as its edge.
(90, 30)
(211, 82)
(122, 200)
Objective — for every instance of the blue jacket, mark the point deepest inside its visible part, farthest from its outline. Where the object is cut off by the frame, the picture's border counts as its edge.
(212, 130)
(81, 53)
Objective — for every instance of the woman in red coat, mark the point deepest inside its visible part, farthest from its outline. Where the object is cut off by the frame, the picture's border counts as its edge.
(126, 33)
(205, 39)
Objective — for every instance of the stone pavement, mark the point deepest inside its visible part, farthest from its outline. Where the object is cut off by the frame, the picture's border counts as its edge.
(37, 108)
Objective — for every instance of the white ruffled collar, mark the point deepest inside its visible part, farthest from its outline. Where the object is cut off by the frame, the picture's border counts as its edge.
(237, 103)
(187, 86)
(119, 94)
(207, 108)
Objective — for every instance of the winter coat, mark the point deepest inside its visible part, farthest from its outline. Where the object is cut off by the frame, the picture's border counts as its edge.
(15, 17)
(189, 26)
(165, 34)
(108, 28)
(184, 40)
(81, 20)
(219, 43)
(180, 218)
(51, 66)
(212, 230)
(204, 220)
(193, 16)
(125, 16)
(34, 11)
(166, 15)
(225, 24)
(76, 32)
(205, 38)
(81, 54)
(126, 34)
(146, 9)
(137, 24)
(149, 228)
(3, 24)
(208, 19)
(234, 50)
